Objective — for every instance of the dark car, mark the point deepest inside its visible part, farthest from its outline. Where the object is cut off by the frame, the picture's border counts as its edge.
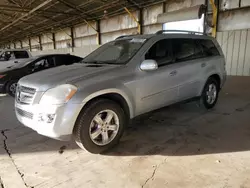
(10, 76)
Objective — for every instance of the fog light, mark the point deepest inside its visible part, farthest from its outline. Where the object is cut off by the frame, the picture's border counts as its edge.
(48, 118)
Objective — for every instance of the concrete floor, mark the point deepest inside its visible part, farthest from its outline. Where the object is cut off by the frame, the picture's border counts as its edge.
(179, 146)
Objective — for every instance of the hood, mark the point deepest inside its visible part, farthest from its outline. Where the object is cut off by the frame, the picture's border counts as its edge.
(67, 74)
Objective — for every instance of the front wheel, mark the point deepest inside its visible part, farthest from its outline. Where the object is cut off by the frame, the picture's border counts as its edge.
(210, 93)
(100, 126)
(11, 88)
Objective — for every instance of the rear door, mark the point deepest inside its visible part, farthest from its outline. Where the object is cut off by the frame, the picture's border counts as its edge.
(188, 54)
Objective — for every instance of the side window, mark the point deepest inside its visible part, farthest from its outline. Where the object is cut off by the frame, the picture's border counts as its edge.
(161, 52)
(8, 55)
(21, 54)
(63, 60)
(186, 49)
(209, 48)
(43, 64)
(73, 59)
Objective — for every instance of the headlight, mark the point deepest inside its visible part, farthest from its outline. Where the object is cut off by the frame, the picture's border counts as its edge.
(58, 95)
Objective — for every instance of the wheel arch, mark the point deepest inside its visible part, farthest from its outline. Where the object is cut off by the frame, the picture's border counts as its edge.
(216, 77)
(115, 95)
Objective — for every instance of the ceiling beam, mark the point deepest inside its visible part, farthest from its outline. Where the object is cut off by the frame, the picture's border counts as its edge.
(72, 6)
(26, 10)
(27, 14)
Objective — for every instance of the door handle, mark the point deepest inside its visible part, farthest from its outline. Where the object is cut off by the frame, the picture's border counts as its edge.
(173, 73)
(203, 64)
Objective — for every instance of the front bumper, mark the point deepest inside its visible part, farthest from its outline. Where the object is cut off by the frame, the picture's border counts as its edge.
(60, 128)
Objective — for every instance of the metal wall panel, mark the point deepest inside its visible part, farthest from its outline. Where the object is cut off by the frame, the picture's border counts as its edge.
(117, 23)
(84, 30)
(107, 37)
(229, 4)
(180, 4)
(12, 45)
(245, 3)
(48, 46)
(63, 34)
(25, 43)
(150, 29)
(34, 41)
(236, 48)
(85, 41)
(46, 38)
(18, 44)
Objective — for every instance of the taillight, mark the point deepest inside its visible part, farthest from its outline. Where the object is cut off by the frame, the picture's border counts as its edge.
(1, 76)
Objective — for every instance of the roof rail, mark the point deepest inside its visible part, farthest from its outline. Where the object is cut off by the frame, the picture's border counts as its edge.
(179, 31)
(123, 36)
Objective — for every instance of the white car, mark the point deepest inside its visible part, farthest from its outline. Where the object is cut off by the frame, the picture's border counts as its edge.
(10, 57)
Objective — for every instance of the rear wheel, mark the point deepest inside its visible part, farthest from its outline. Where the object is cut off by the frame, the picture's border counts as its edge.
(100, 126)
(11, 88)
(210, 93)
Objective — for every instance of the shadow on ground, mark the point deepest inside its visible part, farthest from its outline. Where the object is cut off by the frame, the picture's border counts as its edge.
(183, 129)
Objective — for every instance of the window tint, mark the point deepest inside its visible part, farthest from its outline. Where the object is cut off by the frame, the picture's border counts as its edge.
(186, 49)
(43, 64)
(161, 52)
(66, 60)
(74, 59)
(209, 48)
(21, 54)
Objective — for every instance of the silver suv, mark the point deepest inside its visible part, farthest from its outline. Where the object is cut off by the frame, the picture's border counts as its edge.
(94, 99)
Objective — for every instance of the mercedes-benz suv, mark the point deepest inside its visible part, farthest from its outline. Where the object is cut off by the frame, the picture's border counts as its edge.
(92, 101)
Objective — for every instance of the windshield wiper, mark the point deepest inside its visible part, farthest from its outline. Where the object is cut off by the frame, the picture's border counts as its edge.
(100, 62)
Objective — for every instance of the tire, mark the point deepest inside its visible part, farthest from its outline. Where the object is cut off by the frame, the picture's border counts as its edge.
(211, 90)
(86, 125)
(11, 88)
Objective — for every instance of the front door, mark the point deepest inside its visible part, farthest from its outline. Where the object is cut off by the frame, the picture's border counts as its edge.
(157, 88)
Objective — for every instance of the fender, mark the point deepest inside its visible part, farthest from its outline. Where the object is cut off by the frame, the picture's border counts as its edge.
(108, 91)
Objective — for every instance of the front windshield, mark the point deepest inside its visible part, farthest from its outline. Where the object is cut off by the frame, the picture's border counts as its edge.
(115, 52)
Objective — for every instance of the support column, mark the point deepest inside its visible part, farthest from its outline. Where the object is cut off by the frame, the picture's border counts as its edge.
(215, 18)
(140, 21)
(30, 44)
(21, 44)
(98, 32)
(72, 38)
(54, 40)
(40, 42)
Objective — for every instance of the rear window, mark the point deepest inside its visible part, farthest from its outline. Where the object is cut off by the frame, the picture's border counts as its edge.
(209, 49)
(21, 54)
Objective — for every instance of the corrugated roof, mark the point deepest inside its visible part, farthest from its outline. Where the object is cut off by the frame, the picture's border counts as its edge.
(27, 18)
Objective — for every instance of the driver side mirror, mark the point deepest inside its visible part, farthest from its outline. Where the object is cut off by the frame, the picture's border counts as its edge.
(149, 65)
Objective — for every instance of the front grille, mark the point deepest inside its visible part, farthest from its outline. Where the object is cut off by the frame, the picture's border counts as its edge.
(27, 90)
(25, 95)
(24, 113)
